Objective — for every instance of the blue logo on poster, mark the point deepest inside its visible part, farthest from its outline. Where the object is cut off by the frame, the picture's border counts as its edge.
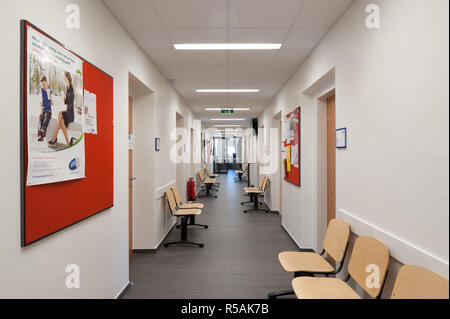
(74, 164)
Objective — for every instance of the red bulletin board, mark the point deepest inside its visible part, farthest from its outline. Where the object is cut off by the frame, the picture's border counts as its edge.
(49, 208)
(291, 123)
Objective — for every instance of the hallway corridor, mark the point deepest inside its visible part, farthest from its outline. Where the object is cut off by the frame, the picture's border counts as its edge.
(239, 259)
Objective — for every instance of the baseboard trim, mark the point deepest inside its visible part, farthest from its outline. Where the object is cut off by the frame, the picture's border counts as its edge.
(295, 242)
(405, 252)
(270, 209)
(145, 251)
(154, 250)
(124, 290)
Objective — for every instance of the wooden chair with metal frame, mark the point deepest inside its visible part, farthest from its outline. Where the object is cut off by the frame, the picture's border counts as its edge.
(207, 184)
(254, 195)
(253, 188)
(180, 205)
(414, 282)
(184, 214)
(241, 173)
(209, 175)
(369, 257)
(305, 263)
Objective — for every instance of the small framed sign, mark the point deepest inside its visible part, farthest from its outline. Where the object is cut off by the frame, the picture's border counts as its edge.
(157, 144)
(341, 138)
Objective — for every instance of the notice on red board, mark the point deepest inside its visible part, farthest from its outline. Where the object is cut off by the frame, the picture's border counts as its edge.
(54, 86)
(90, 113)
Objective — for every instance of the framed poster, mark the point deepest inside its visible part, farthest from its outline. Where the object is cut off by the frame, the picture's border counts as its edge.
(54, 100)
(291, 147)
(66, 175)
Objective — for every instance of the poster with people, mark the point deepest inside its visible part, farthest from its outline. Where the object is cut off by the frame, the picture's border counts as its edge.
(54, 112)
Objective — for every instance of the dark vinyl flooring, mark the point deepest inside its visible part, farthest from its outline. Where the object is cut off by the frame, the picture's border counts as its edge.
(239, 259)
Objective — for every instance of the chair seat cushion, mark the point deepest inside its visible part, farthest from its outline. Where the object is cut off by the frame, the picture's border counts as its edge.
(190, 206)
(209, 181)
(322, 288)
(188, 212)
(213, 175)
(253, 191)
(239, 172)
(296, 261)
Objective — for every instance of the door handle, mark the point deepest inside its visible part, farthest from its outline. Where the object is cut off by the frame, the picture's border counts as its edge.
(132, 178)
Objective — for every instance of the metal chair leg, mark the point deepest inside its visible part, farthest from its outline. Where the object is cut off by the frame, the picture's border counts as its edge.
(184, 240)
(276, 294)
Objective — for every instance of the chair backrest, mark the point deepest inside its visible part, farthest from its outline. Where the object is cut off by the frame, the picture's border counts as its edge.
(201, 176)
(171, 200)
(206, 170)
(244, 168)
(414, 282)
(264, 184)
(336, 239)
(261, 182)
(369, 263)
(176, 194)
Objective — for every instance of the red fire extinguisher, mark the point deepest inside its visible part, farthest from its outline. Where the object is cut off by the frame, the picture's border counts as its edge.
(191, 189)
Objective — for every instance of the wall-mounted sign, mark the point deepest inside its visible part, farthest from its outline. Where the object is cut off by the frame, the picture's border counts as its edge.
(130, 141)
(157, 144)
(341, 138)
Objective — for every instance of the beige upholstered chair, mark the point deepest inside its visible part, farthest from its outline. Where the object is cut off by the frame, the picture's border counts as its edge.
(309, 263)
(414, 282)
(368, 254)
(184, 214)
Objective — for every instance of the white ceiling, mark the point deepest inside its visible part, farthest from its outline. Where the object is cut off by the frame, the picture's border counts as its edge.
(157, 24)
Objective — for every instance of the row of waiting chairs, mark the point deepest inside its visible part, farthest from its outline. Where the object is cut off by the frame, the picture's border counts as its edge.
(188, 212)
(368, 255)
(254, 193)
(241, 174)
(209, 183)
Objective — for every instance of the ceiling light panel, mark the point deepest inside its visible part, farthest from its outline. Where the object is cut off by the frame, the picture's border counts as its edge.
(227, 46)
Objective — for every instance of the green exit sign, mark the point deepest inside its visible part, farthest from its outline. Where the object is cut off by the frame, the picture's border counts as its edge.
(224, 111)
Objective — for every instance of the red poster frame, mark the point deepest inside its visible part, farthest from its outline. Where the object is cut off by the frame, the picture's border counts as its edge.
(49, 208)
(294, 176)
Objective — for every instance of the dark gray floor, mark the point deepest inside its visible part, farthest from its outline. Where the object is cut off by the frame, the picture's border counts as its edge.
(239, 259)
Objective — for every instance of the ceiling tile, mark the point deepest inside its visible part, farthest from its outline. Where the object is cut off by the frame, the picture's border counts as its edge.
(291, 56)
(251, 57)
(304, 38)
(197, 35)
(321, 13)
(187, 57)
(192, 13)
(263, 13)
(252, 35)
(133, 14)
(150, 38)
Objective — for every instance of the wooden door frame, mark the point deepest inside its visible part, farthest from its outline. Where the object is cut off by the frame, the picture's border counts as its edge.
(331, 158)
(130, 181)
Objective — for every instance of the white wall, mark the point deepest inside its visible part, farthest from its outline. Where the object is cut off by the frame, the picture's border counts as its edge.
(98, 245)
(392, 96)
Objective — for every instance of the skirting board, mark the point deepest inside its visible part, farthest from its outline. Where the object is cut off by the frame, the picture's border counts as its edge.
(295, 242)
(154, 250)
(400, 249)
(124, 290)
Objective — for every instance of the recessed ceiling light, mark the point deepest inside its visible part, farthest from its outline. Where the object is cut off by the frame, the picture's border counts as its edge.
(225, 108)
(227, 46)
(228, 119)
(227, 125)
(226, 90)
